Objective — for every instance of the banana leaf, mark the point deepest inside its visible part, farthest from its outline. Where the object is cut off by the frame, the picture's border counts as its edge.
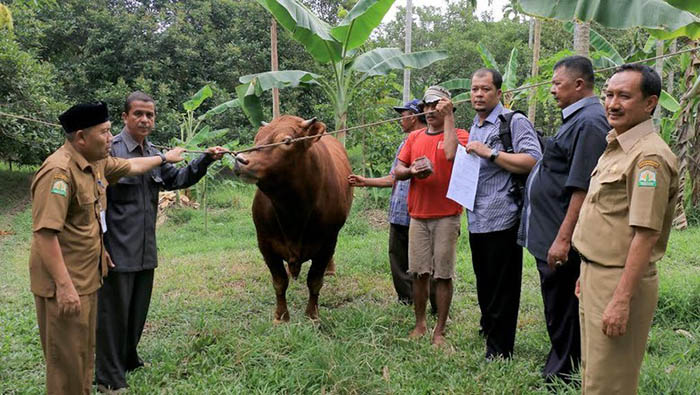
(382, 60)
(280, 79)
(198, 98)
(510, 77)
(668, 102)
(306, 28)
(688, 5)
(664, 20)
(250, 102)
(487, 58)
(457, 84)
(223, 107)
(362, 19)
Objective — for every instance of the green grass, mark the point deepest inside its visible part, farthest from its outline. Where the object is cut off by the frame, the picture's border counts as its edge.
(210, 325)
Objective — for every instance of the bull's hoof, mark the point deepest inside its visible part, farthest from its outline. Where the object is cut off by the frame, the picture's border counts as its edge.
(330, 269)
(281, 318)
(312, 313)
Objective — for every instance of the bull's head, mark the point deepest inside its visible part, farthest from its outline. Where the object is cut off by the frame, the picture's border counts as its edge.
(276, 160)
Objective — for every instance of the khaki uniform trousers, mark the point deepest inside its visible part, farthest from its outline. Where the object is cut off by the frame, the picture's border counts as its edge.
(68, 344)
(611, 365)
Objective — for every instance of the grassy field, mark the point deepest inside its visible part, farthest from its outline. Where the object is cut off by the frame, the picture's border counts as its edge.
(210, 326)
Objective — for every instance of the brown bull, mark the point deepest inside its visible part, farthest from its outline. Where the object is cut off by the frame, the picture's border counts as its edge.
(302, 201)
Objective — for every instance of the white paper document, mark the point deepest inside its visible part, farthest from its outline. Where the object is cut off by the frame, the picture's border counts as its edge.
(465, 177)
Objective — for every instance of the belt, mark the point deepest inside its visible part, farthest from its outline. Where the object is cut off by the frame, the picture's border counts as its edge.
(584, 259)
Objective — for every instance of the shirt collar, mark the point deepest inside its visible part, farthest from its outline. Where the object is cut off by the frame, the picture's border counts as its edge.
(493, 115)
(131, 144)
(76, 156)
(629, 138)
(579, 104)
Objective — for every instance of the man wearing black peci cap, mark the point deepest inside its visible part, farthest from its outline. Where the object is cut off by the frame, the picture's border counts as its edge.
(67, 259)
(398, 205)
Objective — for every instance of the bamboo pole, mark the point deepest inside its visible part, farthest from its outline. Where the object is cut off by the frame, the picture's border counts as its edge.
(275, 67)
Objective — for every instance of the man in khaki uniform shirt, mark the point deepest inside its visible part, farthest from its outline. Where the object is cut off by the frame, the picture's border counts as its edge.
(623, 229)
(67, 259)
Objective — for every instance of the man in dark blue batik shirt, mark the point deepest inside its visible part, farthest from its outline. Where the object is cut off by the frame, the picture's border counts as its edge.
(132, 205)
(556, 189)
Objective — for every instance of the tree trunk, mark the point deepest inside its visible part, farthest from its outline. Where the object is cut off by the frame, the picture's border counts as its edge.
(341, 122)
(275, 67)
(532, 101)
(683, 147)
(582, 38)
(659, 67)
(407, 72)
(531, 33)
(671, 72)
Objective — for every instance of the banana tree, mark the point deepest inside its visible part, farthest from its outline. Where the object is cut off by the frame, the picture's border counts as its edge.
(337, 48)
(510, 77)
(195, 135)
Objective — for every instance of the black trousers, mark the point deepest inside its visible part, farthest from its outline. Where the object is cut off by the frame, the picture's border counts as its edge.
(122, 305)
(498, 266)
(398, 260)
(561, 314)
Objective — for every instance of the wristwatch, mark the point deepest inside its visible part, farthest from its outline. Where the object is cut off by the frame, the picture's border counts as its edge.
(494, 155)
(162, 158)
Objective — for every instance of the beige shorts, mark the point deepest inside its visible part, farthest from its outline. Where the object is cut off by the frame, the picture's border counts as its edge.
(432, 246)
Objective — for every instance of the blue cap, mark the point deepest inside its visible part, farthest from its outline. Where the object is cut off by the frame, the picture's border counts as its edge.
(413, 106)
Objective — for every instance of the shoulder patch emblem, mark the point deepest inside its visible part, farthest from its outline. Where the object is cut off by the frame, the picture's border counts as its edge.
(59, 176)
(648, 163)
(59, 187)
(647, 178)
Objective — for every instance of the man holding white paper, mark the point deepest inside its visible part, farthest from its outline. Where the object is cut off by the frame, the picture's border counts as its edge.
(493, 222)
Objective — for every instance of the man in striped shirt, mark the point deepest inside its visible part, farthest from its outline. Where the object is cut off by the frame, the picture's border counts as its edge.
(493, 224)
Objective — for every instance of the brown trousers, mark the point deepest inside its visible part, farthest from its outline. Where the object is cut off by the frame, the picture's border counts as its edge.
(611, 365)
(68, 344)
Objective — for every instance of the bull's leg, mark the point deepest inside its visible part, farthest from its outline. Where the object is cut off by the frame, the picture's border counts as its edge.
(330, 269)
(280, 281)
(315, 281)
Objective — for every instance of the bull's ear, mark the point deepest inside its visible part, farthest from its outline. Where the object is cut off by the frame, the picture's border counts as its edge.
(316, 128)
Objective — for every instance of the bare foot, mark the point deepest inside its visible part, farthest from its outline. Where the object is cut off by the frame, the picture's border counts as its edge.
(438, 340)
(418, 332)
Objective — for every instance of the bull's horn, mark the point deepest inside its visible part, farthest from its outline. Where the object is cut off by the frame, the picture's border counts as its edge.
(308, 122)
(263, 123)
(242, 160)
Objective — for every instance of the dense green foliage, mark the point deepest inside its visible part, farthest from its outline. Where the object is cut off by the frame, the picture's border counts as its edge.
(73, 50)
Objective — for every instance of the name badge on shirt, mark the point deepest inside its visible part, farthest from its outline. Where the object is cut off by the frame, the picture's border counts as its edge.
(103, 221)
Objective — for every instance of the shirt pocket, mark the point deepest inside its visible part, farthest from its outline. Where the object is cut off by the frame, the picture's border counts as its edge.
(611, 194)
(86, 212)
(127, 189)
(555, 156)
